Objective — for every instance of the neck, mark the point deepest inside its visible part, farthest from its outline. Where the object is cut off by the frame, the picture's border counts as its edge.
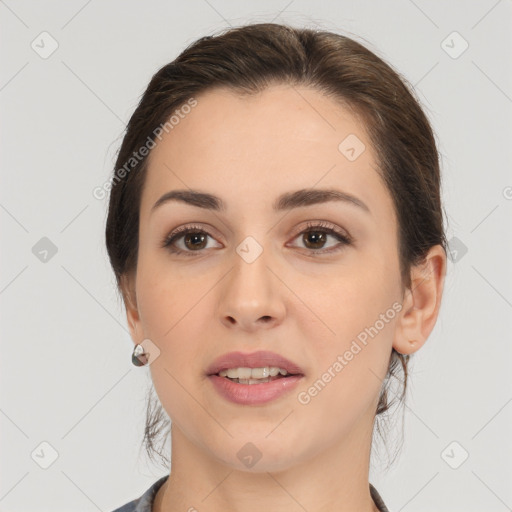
(334, 479)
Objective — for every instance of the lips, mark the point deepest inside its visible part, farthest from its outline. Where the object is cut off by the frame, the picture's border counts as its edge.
(258, 359)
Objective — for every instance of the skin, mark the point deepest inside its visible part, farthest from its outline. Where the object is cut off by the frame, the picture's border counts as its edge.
(248, 151)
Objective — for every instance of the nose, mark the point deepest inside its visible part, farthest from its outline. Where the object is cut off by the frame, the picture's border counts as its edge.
(252, 296)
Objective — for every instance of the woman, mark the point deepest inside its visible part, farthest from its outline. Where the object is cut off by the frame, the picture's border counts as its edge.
(276, 231)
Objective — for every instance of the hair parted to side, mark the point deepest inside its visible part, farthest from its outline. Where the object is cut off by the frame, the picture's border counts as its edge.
(246, 60)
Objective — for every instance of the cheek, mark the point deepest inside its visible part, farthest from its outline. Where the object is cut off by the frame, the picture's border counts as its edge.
(340, 303)
(352, 329)
(173, 312)
(351, 363)
(165, 299)
(172, 323)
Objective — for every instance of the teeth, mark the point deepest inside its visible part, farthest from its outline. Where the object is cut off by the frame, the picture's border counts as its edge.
(252, 373)
(252, 381)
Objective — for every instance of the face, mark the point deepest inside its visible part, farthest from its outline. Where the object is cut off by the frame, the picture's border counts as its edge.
(316, 282)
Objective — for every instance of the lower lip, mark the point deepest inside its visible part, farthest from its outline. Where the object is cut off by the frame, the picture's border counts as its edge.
(254, 394)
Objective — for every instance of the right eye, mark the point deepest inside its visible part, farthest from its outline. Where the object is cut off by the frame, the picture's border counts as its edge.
(193, 238)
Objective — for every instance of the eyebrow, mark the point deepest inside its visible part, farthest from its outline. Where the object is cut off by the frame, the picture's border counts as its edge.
(286, 201)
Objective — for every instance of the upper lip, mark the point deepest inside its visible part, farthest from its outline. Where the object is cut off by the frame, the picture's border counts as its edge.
(258, 359)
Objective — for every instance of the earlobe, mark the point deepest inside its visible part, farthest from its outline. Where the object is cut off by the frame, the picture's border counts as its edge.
(422, 302)
(409, 346)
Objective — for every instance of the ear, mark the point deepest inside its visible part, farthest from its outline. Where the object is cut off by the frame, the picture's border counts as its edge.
(422, 302)
(130, 303)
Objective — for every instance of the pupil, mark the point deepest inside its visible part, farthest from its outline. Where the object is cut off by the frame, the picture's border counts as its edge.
(189, 236)
(319, 236)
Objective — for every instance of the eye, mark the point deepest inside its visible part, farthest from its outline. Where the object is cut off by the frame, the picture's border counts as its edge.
(194, 240)
(316, 235)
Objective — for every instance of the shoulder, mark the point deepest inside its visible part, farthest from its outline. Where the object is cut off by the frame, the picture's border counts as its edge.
(143, 503)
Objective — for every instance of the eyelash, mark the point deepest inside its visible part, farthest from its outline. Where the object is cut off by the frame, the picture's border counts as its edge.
(322, 227)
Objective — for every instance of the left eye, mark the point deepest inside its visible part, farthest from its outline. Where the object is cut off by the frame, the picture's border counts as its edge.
(317, 234)
(314, 236)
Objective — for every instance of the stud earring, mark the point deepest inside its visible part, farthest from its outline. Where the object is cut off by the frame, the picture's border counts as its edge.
(139, 357)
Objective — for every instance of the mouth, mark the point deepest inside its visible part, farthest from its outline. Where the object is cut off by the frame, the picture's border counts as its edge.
(254, 391)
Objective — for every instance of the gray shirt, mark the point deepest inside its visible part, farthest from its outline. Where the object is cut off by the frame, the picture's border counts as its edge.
(145, 502)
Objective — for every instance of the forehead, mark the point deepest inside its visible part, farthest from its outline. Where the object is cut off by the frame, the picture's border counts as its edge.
(249, 148)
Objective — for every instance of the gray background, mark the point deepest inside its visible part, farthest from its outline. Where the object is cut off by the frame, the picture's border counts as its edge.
(66, 375)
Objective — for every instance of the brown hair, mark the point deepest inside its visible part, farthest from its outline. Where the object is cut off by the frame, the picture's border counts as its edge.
(246, 60)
